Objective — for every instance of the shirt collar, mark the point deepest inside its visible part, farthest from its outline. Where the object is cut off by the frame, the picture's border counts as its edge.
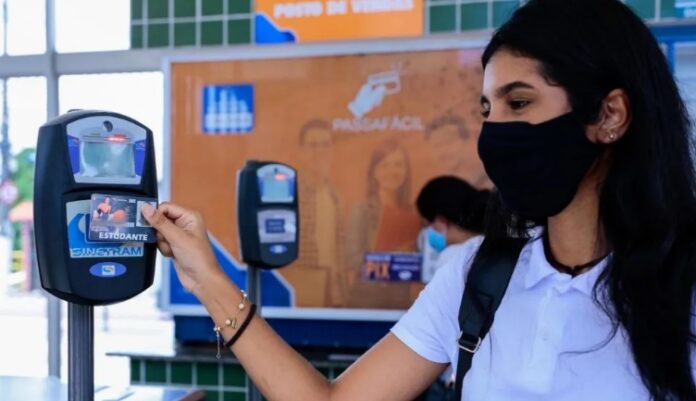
(539, 269)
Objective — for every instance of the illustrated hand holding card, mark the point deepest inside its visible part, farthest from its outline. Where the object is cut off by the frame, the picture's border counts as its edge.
(118, 218)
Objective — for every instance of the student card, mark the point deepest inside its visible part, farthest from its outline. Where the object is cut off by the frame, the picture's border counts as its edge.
(118, 218)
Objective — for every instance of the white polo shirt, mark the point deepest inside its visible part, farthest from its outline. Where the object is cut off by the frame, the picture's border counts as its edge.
(549, 340)
(456, 252)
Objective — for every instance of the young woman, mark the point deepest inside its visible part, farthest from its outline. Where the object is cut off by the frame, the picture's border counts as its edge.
(588, 143)
(388, 194)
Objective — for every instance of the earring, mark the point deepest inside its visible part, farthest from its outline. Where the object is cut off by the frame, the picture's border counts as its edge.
(612, 136)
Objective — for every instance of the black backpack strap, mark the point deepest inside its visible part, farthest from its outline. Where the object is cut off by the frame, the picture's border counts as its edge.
(485, 287)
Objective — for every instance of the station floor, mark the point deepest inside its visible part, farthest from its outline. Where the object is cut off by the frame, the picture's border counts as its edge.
(130, 326)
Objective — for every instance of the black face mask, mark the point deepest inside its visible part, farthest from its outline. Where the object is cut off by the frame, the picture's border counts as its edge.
(537, 168)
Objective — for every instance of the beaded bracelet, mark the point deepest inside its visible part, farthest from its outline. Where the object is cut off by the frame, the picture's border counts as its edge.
(232, 323)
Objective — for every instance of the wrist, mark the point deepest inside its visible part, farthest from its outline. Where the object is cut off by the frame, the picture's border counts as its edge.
(209, 284)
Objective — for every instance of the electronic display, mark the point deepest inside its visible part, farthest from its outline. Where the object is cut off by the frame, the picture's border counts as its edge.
(111, 157)
(276, 184)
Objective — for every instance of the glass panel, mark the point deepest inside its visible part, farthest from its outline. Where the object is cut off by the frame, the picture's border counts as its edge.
(100, 159)
(26, 101)
(2, 30)
(26, 27)
(92, 25)
(137, 95)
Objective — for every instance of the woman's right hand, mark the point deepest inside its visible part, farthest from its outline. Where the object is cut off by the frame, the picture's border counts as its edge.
(182, 235)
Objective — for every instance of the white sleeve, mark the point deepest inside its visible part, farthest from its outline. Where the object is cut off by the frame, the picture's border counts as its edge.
(430, 326)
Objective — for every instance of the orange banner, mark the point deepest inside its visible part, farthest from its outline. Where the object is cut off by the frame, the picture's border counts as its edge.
(322, 20)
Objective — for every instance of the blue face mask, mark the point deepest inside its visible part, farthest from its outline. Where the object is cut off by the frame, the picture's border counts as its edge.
(436, 239)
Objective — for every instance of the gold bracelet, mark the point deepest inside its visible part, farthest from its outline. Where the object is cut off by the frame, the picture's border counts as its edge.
(230, 322)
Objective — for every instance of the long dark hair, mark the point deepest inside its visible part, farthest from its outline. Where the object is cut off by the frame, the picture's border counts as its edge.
(648, 197)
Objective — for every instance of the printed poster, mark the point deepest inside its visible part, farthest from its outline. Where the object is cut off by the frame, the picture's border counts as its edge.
(364, 132)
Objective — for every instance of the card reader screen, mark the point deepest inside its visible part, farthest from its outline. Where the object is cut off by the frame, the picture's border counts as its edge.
(276, 188)
(277, 226)
(112, 157)
(276, 184)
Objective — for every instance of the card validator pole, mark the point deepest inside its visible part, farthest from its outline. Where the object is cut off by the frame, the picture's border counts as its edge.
(268, 223)
(78, 154)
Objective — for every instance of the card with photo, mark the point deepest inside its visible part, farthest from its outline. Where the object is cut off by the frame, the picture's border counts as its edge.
(118, 218)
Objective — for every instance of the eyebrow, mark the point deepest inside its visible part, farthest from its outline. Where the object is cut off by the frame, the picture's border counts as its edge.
(505, 89)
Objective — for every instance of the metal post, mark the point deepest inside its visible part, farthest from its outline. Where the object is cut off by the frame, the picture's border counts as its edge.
(53, 312)
(254, 291)
(254, 286)
(80, 352)
(105, 319)
(5, 226)
(5, 175)
(54, 304)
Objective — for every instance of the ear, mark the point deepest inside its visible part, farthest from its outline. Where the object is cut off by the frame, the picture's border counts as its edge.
(440, 224)
(614, 118)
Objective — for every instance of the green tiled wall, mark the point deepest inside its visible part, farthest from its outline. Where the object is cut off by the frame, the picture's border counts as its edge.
(222, 381)
(667, 9)
(502, 10)
(468, 15)
(192, 23)
(473, 16)
(238, 6)
(181, 373)
(644, 8)
(443, 18)
(180, 23)
(184, 8)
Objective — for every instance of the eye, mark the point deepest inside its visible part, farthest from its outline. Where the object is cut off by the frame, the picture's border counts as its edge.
(518, 104)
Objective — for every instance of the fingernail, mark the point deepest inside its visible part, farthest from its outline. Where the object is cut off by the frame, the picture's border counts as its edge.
(147, 210)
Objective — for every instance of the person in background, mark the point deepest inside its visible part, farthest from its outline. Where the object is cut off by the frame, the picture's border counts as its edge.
(453, 212)
(321, 215)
